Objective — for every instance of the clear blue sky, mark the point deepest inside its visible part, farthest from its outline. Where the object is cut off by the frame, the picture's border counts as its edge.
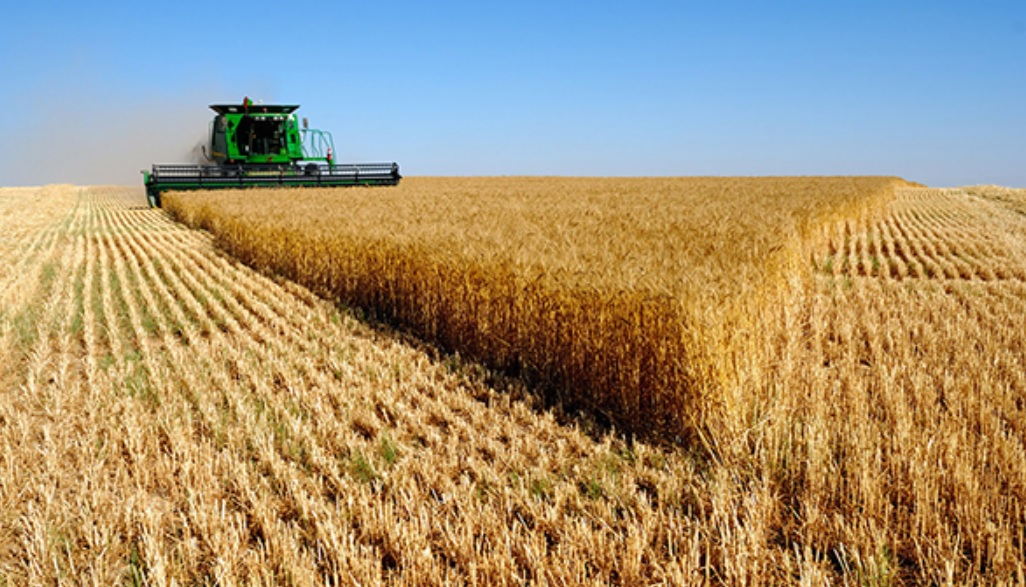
(930, 91)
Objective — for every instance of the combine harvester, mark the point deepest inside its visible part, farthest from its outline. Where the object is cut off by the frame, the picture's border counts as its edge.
(258, 145)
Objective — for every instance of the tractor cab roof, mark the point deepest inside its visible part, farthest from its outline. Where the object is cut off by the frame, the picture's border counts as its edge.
(253, 108)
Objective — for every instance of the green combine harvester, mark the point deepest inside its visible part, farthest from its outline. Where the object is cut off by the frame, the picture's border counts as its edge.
(258, 145)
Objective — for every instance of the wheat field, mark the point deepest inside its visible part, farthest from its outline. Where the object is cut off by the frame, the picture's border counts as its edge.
(170, 416)
(609, 295)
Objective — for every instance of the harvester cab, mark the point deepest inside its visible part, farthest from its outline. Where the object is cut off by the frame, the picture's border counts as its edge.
(264, 145)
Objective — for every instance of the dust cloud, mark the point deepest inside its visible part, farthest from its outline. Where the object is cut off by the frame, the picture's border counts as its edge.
(96, 137)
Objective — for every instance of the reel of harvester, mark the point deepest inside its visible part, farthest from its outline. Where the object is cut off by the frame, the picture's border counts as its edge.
(263, 145)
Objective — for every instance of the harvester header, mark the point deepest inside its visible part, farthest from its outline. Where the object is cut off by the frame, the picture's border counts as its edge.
(264, 145)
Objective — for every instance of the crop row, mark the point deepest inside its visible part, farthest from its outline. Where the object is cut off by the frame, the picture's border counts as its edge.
(924, 238)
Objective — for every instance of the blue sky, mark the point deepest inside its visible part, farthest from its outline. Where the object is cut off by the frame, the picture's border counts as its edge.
(931, 91)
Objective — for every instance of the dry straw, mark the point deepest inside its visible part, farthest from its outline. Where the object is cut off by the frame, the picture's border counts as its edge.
(169, 416)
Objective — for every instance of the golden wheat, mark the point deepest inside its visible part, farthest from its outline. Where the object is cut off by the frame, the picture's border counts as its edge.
(605, 293)
(168, 416)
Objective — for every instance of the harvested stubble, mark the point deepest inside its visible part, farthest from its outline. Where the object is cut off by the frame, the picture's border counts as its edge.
(615, 296)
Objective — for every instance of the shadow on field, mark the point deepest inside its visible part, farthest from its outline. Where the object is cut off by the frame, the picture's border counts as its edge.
(484, 383)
